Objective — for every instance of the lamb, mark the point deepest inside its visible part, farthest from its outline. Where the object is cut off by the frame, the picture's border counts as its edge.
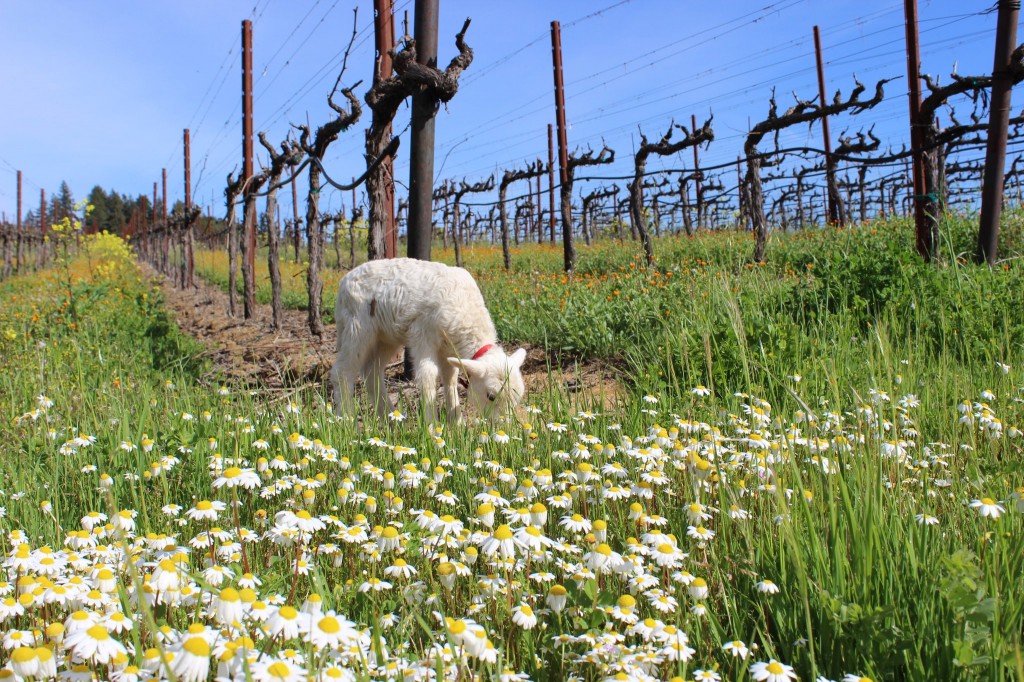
(438, 314)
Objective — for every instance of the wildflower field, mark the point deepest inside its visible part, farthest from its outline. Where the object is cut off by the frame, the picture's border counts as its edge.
(818, 475)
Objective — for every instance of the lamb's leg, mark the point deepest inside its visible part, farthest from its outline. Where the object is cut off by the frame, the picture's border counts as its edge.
(376, 386)
(351, 353)
(344, 374)
(426, 371)
(450, 379)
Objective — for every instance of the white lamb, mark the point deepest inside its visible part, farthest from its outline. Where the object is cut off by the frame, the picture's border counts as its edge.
(438, 314)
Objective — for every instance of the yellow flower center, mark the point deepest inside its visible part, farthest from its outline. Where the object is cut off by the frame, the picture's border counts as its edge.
(279, 670)
(775, 668)
(232, 472)
(197, 646)
(98, 632)
(330, 625)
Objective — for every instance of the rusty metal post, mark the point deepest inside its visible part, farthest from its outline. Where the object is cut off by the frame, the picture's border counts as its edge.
(42, 227)
(20, 238)
(247, 165)
(188, 170)
(563, 152)
(295, 215)
(384, 35)
(149, 246)
(696, 174)
(830, 163)
(421, 155)
(551, 183)
(538, 222)
(999, 117)
(188, 257)
(924, 237)
(165, 254)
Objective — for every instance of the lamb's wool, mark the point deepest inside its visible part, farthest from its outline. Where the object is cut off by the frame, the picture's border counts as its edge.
(438, 314)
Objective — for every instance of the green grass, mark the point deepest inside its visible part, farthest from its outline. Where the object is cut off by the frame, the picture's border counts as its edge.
(829, 470)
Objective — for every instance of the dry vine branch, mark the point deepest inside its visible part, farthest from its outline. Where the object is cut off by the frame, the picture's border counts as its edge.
(663, 147)
(384, 98)
(464, 189)
(588, 201)
(315, 146)
(531, 171)
(231, 192)
(803, 111)
(289, 155)
(574, 161)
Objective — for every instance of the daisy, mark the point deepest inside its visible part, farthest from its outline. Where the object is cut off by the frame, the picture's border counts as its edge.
(556, 598)
(625, 610)
(24, 661)
(986, 506)
(735, 512)
(737, 648)
(94, 645)
(205, 510)
(502, 540)
(698, 589)
(400, 569)
(331, 631)
(389, 539)
(667, 555)
(575, 523)
(228, 607)
(700, 533)
(271, 670)
(375, 585)
(926, 520)
(191, 662)
(772, 671)
(285, 622)
(524, 617)
(236, 477)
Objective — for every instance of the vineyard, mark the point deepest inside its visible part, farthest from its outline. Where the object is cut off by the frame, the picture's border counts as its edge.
(774, 409)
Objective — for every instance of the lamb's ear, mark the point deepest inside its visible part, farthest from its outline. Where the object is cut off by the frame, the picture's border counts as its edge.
(474, 368)
(517, 359)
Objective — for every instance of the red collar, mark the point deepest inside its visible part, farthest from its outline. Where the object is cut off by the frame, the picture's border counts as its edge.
(483, 349)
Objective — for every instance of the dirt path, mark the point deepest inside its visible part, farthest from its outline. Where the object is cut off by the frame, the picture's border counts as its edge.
(252, 353)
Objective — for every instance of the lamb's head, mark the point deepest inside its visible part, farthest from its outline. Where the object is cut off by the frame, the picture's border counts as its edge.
(495, 380)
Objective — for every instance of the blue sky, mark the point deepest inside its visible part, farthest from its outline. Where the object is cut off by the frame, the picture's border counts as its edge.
(99, 92)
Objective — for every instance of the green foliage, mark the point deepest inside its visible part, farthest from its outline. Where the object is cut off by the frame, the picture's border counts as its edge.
(865, 588)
